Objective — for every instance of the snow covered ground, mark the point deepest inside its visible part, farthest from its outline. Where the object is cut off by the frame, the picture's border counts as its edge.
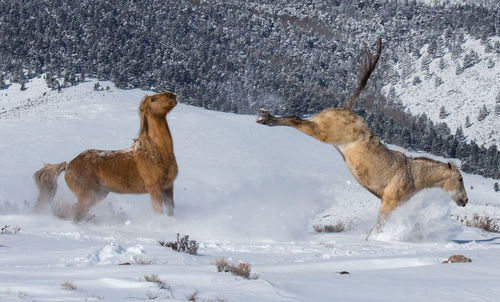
(245, 192)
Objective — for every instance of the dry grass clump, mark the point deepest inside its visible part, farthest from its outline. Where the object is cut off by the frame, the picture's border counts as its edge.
(192, 297)
(143, 261)
(140, 261)
(182, 244)
(154, 278)
(242, 269)
(68, 286)
(329, 228)
(485, 223)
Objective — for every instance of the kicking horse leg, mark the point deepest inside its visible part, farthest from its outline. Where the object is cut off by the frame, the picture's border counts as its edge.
(306, 126)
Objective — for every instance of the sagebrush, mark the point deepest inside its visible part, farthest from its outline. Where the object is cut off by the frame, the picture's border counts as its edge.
(329, 228)
(485, 223)
(154, 278)
(68, 286)
(182, 244)
(241, 269)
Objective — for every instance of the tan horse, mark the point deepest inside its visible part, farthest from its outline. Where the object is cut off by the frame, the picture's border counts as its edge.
(388, 174)
(148, 166)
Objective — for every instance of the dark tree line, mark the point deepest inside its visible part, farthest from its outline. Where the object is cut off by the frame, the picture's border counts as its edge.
(291, 56)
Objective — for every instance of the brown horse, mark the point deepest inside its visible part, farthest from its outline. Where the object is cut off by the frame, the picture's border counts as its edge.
(388, 174)
(148, 166)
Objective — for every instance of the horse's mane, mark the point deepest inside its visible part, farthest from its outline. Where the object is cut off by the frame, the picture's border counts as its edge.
(143, 128)
(143, 142)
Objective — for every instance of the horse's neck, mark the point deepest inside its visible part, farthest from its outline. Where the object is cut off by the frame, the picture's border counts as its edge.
(159, 132)
(428, 174)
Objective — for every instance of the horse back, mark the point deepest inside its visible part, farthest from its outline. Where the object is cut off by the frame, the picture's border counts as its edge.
(113, 171)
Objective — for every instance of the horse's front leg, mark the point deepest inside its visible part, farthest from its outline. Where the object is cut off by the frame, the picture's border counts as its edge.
(388, 205)
(157, 196)
(168, 200)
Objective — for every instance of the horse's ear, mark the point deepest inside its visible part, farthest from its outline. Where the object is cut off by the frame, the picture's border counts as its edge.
(450, 166)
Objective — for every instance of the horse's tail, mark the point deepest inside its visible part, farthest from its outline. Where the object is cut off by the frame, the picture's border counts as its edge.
(367, 67)
(46, 181)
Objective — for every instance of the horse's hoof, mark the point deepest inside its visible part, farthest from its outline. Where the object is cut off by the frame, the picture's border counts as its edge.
(265, 117)
(170, 211)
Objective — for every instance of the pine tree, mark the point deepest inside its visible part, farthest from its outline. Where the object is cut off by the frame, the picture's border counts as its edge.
(467, 122)
(471, 59)
(442, 64)
(443, 113)
(438, 81)
(483, 113)
(3, 85)
(459, 134)
(416, 81)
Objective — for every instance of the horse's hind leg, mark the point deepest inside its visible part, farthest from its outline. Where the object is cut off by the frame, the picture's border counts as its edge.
(168, 200)
(306, 126)
(43, 201)
(85, 201)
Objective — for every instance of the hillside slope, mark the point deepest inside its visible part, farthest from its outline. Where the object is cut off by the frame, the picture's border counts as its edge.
(461, 84)
(245, 192)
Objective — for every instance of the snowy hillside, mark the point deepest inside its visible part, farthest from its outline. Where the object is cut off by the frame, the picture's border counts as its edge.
(245, 192)
(429, 84)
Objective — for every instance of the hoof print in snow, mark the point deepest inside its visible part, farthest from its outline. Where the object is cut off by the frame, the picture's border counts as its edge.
(344, 273)
(457, 259)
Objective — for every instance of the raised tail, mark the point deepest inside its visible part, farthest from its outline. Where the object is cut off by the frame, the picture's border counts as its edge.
(46, 181)
(367, 67)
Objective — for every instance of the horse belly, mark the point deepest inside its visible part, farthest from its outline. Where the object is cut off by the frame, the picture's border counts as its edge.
(122, 179)
(117, 172)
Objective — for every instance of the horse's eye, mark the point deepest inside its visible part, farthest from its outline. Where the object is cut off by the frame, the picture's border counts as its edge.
(152, 99)
(460, 179)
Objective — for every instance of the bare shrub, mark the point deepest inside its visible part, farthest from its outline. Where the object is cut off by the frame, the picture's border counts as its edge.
(5, 230)
(183, 244)
(485, 223)
(222, 265)
(24, 295)
(143, 261)
(242, 269)
(68, 286)
(154, 278)
(217, 299)
(151, 295)
(329, 228)
(192, 297)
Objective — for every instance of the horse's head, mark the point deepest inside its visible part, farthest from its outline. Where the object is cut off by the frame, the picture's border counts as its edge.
(158, 104)
(454, 184)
